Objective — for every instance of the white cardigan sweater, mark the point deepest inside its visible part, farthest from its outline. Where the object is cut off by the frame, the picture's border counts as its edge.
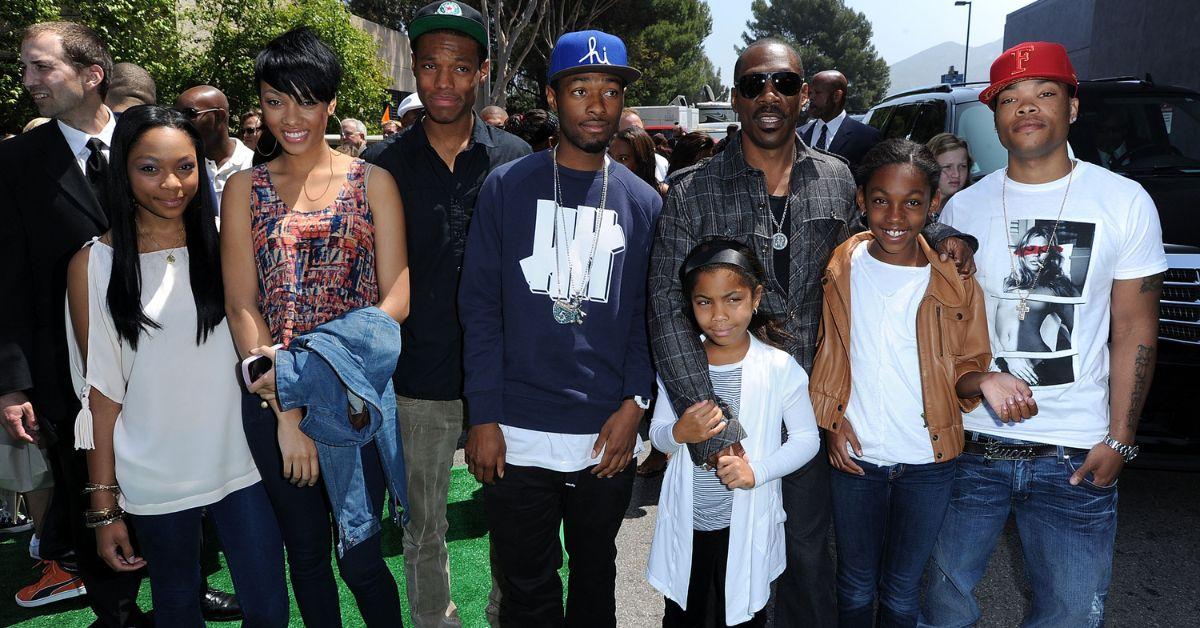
(774, 392)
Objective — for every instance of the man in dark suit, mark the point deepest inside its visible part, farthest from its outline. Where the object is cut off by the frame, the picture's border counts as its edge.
(830, 128)
(49, 179)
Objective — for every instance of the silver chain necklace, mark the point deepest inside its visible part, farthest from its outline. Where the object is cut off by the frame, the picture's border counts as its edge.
(569, 309)
(1023, 304)
(779, 241)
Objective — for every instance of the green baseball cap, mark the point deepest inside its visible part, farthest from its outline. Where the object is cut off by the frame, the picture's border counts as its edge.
(449, 15)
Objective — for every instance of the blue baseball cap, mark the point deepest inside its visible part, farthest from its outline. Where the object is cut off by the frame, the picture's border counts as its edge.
(590, 51)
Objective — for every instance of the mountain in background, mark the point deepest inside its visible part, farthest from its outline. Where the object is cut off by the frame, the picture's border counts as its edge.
(927, 67)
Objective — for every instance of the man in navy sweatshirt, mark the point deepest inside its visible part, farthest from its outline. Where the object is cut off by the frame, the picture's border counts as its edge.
(558, 373)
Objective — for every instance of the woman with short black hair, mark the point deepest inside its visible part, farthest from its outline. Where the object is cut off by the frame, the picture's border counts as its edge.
(307, 238)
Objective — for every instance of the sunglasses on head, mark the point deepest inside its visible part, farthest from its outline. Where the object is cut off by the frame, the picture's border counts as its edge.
(786, 83)
(191, 113)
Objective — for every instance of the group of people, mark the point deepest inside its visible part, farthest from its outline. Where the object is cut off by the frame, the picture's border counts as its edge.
(287, 371)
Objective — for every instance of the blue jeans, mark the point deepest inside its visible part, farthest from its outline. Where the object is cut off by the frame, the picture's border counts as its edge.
(250, 537)
(1067, 535)
(886, 523)
(305, 521)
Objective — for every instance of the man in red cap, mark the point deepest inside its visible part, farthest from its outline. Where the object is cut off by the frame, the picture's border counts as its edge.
(1070, 256)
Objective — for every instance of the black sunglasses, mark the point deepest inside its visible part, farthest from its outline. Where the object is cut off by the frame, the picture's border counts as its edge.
(786, 83)
(191, 113)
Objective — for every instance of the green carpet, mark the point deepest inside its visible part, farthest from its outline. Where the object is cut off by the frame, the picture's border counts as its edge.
(467, 539)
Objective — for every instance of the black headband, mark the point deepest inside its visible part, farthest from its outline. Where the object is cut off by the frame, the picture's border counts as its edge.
(717, 255)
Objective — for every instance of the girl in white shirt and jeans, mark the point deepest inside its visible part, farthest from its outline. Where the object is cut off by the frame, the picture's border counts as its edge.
(154, 362)
(720, 524)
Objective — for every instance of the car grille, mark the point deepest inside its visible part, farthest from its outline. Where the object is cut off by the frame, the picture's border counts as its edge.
(1179, 310)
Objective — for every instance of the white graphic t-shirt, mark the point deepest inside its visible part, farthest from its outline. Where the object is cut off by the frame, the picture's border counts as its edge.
(1057, 341)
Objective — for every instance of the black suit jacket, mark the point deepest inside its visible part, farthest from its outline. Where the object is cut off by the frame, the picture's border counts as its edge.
(852, 141)
(47, 212)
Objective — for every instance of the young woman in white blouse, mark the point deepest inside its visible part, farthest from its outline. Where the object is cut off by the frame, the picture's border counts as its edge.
(153, 360)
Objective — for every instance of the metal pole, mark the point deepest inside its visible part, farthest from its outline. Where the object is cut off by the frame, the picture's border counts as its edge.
(967, 50)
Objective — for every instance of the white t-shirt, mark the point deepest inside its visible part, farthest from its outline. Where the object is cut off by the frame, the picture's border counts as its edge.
(549, 450)
(178, 440)
(886, 404)
(1109, 231)
(661, 165)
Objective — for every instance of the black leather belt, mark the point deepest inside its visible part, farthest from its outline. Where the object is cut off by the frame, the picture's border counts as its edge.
(996, 450)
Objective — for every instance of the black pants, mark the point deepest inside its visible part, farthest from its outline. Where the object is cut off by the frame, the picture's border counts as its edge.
(706, 586)
(524, 510)
(112, 595)
(804, 595)
(304, 519)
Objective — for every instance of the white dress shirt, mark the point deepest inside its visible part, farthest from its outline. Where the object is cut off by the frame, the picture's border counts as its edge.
(241, 159)
(833, 125)
(77, 140)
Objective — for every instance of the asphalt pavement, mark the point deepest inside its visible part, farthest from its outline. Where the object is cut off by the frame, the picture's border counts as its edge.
(1156, 565)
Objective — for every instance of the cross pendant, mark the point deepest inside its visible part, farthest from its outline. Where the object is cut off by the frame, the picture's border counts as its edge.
(1022, 309)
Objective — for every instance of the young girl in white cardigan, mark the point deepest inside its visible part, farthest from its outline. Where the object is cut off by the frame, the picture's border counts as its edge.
(720, 524)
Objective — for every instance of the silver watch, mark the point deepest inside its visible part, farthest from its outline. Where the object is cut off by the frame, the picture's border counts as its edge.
(1128, 452)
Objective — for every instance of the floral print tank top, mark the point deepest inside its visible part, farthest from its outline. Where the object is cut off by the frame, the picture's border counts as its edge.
(313, 266)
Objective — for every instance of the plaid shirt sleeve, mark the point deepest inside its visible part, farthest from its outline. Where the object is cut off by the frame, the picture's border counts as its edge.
(679, 357)
(678, 354)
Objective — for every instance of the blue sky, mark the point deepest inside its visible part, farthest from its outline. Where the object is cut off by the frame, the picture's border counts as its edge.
(913, 25)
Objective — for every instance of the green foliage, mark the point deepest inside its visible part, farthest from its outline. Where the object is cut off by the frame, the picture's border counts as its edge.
(219, 42)
(829, 36)
(394, 14)
(238, 29)
(665, 39)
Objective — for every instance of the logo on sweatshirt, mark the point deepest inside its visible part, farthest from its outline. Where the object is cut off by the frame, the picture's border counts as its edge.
(541, 268)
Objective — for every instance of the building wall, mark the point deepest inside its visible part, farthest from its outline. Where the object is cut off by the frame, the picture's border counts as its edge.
(395, 52)
(1107, 38)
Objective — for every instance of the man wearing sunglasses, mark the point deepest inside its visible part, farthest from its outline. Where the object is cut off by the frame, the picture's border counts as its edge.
(831, 129)
(208, 110)
(792, 205)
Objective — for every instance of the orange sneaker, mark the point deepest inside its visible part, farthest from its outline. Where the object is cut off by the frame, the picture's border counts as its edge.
(56, 584)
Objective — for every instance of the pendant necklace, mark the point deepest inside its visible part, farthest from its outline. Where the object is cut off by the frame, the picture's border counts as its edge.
(779, 241)
(159, 247)
(568, 305)
(1023, 303)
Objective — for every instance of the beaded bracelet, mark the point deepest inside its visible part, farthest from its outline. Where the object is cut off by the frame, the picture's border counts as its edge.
(92, 488)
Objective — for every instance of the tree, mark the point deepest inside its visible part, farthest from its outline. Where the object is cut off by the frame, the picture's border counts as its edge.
(665, 39)
(829, 36)
(231, 32)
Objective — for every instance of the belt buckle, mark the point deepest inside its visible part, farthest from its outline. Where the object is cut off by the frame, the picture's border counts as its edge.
(995, 450)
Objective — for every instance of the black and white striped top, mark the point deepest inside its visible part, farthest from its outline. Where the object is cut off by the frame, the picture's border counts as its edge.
(712, 503)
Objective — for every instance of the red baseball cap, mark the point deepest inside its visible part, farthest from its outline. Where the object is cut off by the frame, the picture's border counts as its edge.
(1030, 60)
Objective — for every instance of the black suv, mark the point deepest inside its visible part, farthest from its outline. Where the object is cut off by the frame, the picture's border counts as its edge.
(1149, 133)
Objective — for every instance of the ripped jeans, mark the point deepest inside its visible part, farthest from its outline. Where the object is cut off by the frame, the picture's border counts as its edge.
(1067, 535)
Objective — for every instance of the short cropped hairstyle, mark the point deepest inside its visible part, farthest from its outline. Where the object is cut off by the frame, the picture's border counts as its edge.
(82, 46)
(133, 83)
(358, 125)
(300, 64)
(767, 41)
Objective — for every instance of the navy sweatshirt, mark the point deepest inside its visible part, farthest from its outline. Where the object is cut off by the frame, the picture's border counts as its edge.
(522, 368)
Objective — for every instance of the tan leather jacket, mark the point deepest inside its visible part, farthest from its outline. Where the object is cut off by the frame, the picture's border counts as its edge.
(952, 340)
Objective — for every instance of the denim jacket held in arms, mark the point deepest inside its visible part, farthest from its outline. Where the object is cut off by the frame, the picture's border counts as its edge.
(952, 340)
(341, 366)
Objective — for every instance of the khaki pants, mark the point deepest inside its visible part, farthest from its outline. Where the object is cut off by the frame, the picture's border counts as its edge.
(430, 431)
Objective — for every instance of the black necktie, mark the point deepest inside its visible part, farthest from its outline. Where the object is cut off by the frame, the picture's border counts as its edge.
(96, 168)
(821, 140)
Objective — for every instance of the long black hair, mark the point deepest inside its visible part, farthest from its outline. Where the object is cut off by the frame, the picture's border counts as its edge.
(199, 221)
(713, 254)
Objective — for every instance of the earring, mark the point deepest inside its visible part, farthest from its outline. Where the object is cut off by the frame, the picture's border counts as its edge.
(756, 311)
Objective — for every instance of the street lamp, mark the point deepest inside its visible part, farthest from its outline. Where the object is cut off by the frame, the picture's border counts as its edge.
(967, 48)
